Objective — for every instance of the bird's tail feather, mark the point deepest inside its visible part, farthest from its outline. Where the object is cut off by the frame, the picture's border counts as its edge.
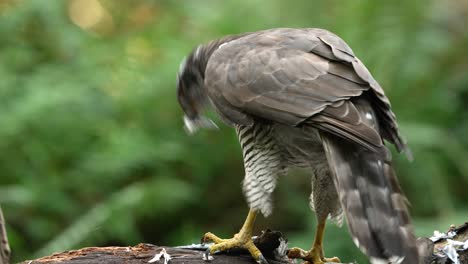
(372, 200)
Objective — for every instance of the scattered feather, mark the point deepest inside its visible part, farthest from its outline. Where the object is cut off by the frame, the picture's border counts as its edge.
(451, 252)
(451, 248)
(163, 254)
(440, 235)
(207, 257)
(282, 249)
(196, 246)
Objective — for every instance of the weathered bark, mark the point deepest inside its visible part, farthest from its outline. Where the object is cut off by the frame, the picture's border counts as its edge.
(143, 253)
(4, 246)
(267, 242)
(138, 254)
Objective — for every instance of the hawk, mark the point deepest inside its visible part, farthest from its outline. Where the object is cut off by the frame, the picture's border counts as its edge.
(300, 98)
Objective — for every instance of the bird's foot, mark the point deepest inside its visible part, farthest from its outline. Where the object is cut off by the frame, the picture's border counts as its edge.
(240, 240)
(313, 256)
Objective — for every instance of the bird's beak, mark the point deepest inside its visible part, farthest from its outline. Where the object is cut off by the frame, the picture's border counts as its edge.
(192, 125)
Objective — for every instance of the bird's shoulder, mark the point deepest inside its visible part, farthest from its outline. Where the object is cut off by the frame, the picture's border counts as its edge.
(314, 40)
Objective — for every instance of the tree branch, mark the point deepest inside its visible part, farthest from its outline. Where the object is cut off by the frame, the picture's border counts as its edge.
(4, 246)
(433, 252)
(141, 253)
(268, 242)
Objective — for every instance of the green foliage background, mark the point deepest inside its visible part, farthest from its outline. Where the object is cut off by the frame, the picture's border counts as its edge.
(92, 150)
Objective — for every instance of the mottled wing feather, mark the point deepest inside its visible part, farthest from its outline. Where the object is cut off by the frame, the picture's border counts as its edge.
(369, 192)
(342, 52)
(344, 120)
(375, 209)
(277, 84)
(290, 87)
(288, 76)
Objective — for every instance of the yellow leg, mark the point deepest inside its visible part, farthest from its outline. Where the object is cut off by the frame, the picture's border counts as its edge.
(315, 254)
(243, 239)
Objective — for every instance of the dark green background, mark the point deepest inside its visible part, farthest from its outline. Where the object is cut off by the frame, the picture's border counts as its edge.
(92, 149)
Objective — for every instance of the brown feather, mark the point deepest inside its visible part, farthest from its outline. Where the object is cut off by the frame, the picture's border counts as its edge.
(376, 214)
(290, 75)
(345, 121)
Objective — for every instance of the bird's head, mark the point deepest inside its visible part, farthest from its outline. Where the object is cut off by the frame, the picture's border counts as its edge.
(191, 93)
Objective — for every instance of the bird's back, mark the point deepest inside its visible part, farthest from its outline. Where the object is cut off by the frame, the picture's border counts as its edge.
(287, 60)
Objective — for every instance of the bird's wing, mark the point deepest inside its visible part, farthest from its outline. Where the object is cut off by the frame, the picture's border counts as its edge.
(247, 80)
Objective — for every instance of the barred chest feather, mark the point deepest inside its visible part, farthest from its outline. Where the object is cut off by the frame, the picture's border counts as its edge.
(269, 150)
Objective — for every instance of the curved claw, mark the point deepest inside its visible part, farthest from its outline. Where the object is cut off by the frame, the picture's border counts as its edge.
(315, 256)
(262, 260)
(297, 253)
(334, 260)
(207, 255)
(211, 237)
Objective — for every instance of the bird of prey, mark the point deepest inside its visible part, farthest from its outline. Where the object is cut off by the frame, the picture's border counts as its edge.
(300, 98)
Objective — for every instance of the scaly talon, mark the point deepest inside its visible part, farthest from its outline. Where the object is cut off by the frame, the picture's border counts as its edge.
(295, 253)
(211, 237)
(334, 259)
(238, 241)
(315, 255)
(243, 239)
